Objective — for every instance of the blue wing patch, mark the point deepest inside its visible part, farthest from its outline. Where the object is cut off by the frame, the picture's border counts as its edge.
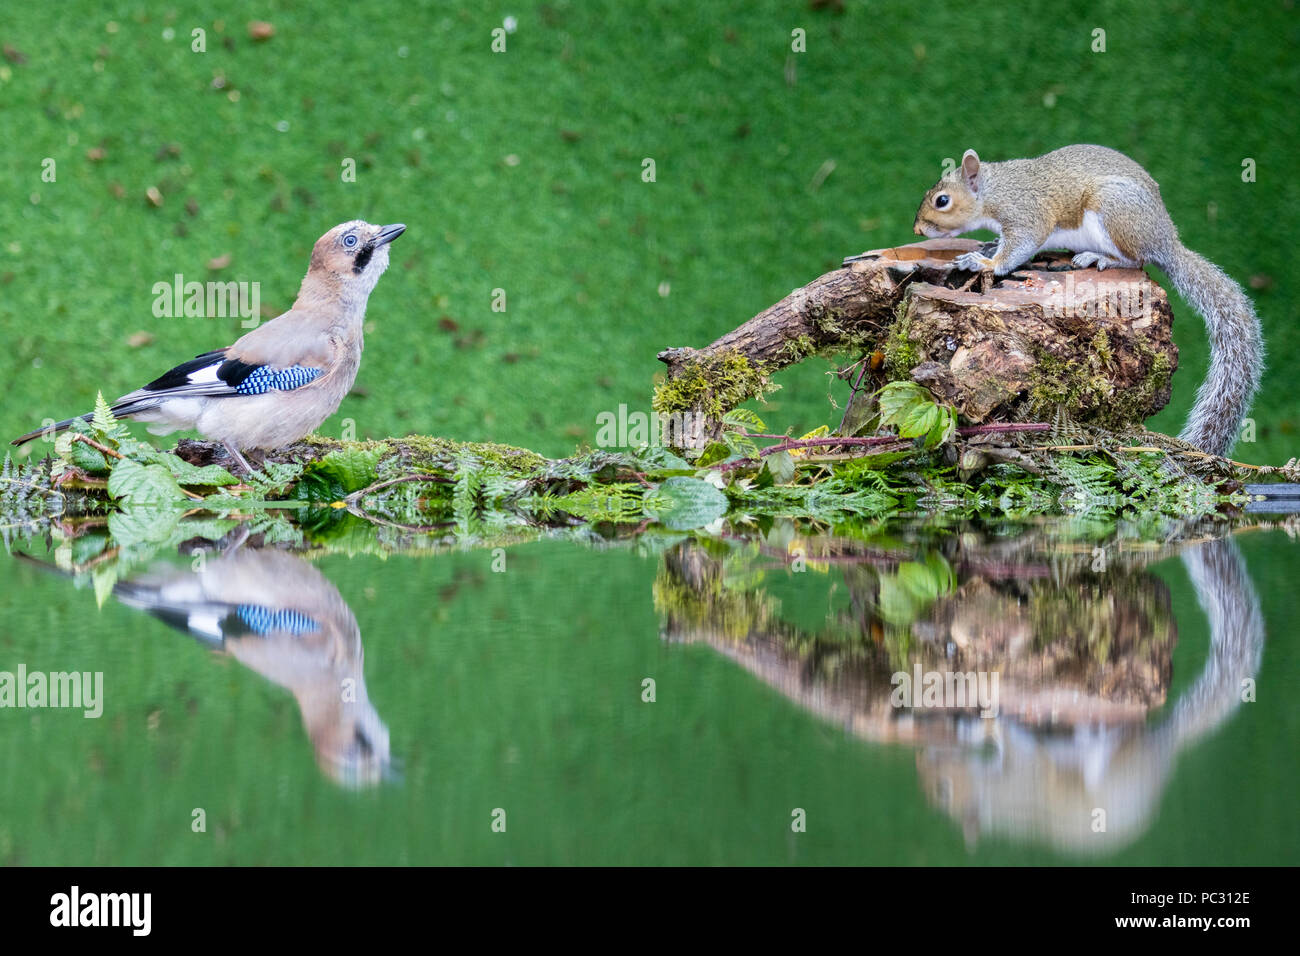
(262, 620)
(264, 378)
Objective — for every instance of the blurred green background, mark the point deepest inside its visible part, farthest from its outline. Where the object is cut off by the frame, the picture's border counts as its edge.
(522, 171)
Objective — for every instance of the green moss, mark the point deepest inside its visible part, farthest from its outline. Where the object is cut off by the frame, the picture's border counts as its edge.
(1055, 383)
(799, 348)
(713, 386)
(505, 457)
(901, 353)
(840, 337)
(1101, 347)
(1086, 389)
(1156, 383)
(426, 451)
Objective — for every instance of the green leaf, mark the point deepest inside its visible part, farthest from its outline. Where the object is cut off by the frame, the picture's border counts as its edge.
(920, 420)
(682, 503)
(716, 451)
(919, 580)
(945, 577)
(139, 484)
(658, 458)
(743, 418)
(102, 423)
(896, 603)
(103, 419)
(80, 454)
(897, 399)
(914, 412)
(346, 470)
(741, 445)
(781, 465)
(149, 524)
(907, 593)
(87, 546)
(276, 476)
(187, 474)
(104, 577)
(943, 429)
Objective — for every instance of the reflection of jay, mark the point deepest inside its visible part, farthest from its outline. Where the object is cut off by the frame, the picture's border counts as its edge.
(277, 615)
(281, 380)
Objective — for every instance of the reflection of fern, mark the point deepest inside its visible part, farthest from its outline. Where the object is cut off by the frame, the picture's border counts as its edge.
(25, 499)
(275, 528)
(826, 501)
(465, 493)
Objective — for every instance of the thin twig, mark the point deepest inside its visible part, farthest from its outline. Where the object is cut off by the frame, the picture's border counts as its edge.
(358, 495)
(360, 512)
(1237, 464)
(1005, 427)
(866, 362)
(77, 436)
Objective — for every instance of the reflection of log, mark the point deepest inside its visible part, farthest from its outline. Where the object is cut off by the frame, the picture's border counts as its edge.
(1011, 775)
(1089, 650)
(1097, 344)
(1075, 649)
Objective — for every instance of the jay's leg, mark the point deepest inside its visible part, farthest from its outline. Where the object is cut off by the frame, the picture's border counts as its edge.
(234, 453)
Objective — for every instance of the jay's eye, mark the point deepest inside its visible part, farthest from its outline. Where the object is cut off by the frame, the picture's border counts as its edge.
(350, 241)
(942, 200)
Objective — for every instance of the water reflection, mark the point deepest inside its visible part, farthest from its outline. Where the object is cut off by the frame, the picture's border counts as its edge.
(1076, 641)
(280, 617)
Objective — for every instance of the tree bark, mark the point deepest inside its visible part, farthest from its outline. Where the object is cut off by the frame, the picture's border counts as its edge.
(1096, 345)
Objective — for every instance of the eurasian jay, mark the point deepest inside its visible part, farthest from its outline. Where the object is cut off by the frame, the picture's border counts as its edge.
(281, 380)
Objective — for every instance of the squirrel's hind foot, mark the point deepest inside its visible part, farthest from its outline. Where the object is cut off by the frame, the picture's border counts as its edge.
(1085, 260)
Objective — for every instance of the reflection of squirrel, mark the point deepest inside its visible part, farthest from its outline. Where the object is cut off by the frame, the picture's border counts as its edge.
(1104, 206)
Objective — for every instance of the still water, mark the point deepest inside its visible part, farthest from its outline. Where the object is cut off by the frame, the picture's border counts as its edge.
(751, 694)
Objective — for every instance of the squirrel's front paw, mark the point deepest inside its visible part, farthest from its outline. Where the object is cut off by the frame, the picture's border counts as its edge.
(973, 262)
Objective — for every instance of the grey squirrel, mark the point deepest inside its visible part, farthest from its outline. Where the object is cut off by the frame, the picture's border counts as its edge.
(1104, 206)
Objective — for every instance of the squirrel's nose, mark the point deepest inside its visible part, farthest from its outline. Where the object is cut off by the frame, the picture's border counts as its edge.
(916, 228)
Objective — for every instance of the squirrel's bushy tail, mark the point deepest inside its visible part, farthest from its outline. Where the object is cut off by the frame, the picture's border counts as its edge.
(1236, 349)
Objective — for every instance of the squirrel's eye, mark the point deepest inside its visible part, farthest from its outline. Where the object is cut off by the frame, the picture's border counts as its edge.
(941, 201)
(349, 241)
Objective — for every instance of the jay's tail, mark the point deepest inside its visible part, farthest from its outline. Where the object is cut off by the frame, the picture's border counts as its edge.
(51, 429)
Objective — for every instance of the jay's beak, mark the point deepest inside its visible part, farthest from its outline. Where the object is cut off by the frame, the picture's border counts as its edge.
(388, 233)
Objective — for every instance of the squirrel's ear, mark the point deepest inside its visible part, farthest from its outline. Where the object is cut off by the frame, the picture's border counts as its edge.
(970, 169)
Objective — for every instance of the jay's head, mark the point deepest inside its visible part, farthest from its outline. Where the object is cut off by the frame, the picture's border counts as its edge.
(352, 256)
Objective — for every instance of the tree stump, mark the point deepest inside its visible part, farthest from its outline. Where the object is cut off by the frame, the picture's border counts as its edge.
(1049, 337)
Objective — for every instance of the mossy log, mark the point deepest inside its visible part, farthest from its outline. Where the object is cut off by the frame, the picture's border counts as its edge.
(1097, 345)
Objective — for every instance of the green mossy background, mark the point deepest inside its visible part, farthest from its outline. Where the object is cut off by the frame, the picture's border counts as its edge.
(522, 171)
